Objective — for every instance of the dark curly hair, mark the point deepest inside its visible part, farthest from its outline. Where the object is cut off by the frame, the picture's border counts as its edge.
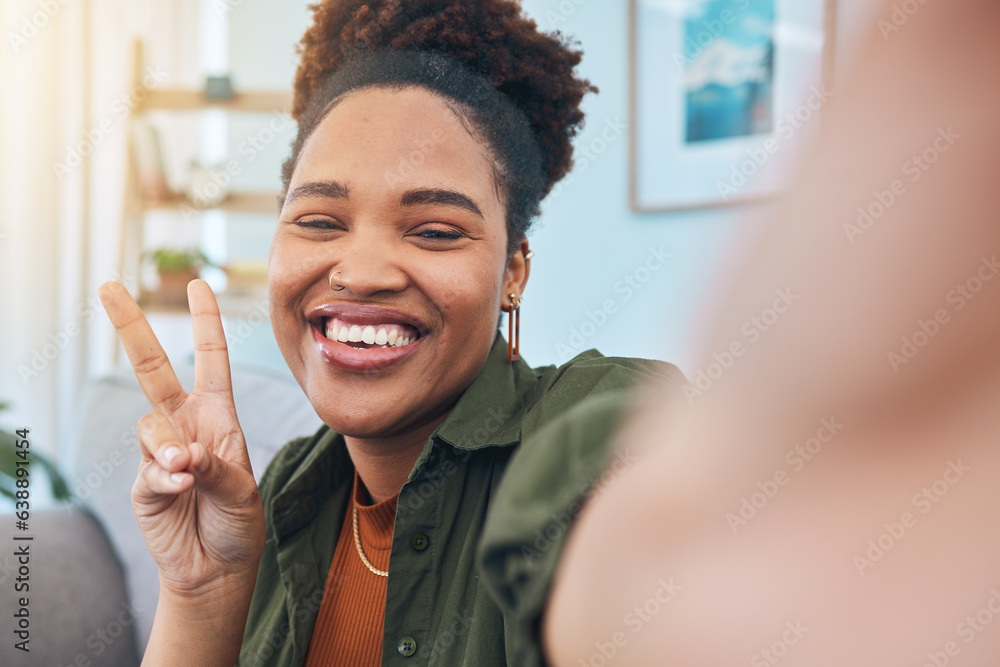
(513, 84)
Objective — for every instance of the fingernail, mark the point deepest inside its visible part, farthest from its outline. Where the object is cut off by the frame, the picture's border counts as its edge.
(170, 454)
(177, 478)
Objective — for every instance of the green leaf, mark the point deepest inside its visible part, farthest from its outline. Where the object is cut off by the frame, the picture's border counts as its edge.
(8, 469)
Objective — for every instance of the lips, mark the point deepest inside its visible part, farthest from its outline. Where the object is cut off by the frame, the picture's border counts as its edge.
(365, 337)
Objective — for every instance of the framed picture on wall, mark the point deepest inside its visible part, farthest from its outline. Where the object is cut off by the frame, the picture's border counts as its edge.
(723, 94)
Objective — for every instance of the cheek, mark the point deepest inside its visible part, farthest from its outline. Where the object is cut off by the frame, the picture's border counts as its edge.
(293, 260)
(290, 272)
(279, 275)
(467, 295)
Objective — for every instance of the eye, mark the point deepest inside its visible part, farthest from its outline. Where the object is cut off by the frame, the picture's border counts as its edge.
(439, 232)
(317, 223)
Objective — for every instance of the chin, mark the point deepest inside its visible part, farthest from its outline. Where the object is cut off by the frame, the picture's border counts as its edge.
(358, 418)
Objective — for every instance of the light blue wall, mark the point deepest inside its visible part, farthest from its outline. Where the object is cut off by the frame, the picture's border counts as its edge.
(588, 239)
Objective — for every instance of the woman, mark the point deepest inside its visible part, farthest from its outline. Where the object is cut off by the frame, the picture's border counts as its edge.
(428, 134)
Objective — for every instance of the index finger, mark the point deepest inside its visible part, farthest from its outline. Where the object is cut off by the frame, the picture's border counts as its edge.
(152, 368)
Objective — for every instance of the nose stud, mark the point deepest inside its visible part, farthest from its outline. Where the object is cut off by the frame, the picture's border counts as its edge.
(335, 283)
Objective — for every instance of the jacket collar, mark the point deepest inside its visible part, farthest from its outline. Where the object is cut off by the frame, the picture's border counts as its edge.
(489, 411)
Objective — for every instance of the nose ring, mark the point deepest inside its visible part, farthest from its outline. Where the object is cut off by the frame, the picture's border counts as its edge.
(335, 283)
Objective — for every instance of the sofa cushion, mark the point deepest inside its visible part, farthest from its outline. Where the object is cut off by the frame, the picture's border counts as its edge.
(78, 609)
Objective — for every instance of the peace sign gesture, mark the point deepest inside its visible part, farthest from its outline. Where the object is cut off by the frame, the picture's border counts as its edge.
(194, 497)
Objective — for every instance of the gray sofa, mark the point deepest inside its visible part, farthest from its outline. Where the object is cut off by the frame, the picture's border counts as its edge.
(93, 585)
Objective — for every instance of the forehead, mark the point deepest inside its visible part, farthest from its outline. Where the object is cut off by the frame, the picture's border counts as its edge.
(392, 140)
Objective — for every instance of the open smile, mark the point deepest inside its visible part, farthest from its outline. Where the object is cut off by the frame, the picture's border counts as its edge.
(361, 337)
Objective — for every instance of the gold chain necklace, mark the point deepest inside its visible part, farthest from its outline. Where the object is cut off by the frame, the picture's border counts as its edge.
(357, 543)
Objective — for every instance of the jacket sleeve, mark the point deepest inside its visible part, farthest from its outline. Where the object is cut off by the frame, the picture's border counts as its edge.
(543, 490)
(566, 454)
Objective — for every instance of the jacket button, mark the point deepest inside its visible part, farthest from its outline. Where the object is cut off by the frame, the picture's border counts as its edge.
(419, 541)
(407, 646)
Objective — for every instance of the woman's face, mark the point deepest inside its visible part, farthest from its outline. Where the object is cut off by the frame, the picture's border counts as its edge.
(394, 198)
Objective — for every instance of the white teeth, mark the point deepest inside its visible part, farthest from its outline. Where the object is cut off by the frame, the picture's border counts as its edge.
(383, 337)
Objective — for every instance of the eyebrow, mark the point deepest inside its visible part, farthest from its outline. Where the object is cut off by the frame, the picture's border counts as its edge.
(319, 189)
(337, 190)
(440, 197)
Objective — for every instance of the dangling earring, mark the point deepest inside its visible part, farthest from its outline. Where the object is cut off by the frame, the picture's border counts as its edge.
(514, 329)
(514, 322)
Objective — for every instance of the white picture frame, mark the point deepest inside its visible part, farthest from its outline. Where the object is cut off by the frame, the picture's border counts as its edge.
(683, 51)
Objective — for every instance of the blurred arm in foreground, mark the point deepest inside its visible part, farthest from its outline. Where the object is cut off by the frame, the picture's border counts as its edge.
(832, 498)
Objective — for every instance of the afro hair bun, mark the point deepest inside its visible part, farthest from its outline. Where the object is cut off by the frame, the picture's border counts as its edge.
(492, 38)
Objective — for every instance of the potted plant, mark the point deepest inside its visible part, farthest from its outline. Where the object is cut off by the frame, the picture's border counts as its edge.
(176, 268)
(10, 454)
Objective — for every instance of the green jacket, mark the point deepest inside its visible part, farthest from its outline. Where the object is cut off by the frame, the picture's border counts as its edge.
(479, 524)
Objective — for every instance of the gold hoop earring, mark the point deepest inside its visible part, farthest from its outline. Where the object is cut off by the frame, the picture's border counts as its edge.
(514, 328)
(340, 286)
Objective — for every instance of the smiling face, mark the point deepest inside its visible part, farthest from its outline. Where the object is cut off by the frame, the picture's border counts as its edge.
(393, 198)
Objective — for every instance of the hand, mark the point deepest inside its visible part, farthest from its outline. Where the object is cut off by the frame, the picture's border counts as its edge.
(194, 497)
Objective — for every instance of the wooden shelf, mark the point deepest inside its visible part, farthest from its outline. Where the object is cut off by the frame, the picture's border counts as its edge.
(266, 203)
(246, 295)
(250, 101)
(240, 304)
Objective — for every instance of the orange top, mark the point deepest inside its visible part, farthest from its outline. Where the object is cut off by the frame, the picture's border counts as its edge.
(349, 626)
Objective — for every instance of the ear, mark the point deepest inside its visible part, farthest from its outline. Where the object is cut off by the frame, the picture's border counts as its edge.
(516, 274)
